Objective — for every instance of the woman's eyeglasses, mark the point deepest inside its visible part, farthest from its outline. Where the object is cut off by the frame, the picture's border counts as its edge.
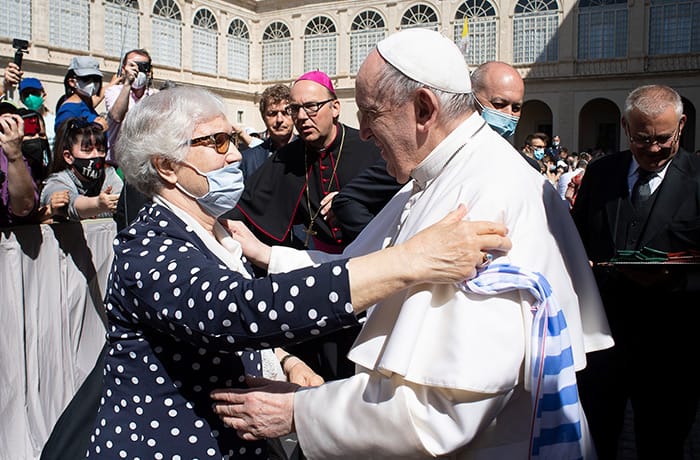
(220, 141)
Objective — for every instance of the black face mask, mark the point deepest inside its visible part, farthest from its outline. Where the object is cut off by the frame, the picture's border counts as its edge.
(37, 151)
(90, 168)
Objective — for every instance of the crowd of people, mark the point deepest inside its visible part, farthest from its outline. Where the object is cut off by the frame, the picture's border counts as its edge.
(371, 290)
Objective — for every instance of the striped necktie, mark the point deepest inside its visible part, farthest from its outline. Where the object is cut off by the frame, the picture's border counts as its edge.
(556, 419)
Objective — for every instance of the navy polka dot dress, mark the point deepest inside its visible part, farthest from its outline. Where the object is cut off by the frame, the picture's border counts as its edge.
(182, 324)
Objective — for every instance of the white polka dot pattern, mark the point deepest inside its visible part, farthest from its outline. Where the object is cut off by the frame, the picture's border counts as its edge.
(181, 325)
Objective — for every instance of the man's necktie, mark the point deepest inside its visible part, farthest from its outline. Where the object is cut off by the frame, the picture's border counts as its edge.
(641, 191)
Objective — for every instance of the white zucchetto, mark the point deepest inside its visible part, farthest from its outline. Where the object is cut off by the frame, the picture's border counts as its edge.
(427, 57)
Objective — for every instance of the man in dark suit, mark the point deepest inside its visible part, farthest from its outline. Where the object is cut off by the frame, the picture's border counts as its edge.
(648, 196)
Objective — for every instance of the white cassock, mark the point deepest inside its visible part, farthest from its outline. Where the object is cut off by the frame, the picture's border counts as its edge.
(440, 371)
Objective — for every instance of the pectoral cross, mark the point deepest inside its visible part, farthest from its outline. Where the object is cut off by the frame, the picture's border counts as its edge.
(309, 233)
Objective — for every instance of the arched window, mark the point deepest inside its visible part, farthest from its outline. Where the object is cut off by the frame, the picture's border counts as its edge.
(673, 27)
(319, 45)
(367, 29)
(420, 15)
(602, 29)
(276, 50)
(69, 24)
(166, 38)
(238, 47)
(121, 26)
(479, 16)
(535, 37)
(16, 19)
(204, 42)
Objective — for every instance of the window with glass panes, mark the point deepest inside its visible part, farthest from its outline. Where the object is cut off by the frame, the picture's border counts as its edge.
(366, 30)
(602, 29)
(16, 19)
(420, 15)
(319, 45)
(166, 38)
(204, 42)
(674, 27)
(535, 31)
(480, 43)
(121, 26)
(238, 50)
(276, 52)
(69, 24)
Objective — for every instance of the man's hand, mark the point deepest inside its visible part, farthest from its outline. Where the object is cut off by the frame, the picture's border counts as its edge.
(12, 76)
(326, 210)
(11, 135)
(266, 410)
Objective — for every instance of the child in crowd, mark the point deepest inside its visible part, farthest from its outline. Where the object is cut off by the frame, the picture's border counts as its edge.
(81, 184)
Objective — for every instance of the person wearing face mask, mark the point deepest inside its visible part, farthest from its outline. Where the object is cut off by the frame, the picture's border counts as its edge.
(135, 78)
(84, 91)
(33, 96)
(498, 92)
(81, 185)
(533, 151)
(185, 315)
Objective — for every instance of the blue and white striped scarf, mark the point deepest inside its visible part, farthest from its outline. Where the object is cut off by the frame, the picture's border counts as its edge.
(556, 421)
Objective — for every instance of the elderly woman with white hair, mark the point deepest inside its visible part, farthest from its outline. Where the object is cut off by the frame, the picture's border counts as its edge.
(186, 317)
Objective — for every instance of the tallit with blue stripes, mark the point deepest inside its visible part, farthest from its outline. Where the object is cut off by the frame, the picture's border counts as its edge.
(556, 420)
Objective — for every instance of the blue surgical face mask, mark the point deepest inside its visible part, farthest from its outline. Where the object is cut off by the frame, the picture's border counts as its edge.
(225, 189)
(538, 153)
(502, 123)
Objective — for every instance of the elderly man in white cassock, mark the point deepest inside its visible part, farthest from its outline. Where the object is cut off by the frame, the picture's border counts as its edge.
(484, 369)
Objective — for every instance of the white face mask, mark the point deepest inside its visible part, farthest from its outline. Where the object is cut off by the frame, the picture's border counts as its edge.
(85, 88)
(140, 81)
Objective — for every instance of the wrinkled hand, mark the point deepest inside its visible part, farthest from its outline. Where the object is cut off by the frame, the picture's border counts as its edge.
(255, 250)
(266, 410)
(58, 200)
(11, 135)
(299, 372)
(452, 249)
(107, 201)
(12, 76)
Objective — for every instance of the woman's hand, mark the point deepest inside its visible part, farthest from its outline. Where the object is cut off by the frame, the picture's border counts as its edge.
(452, 249)
(255, 250)
(297, 371)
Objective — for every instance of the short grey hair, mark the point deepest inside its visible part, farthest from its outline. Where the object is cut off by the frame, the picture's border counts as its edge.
(653, 100)
(397, 88)
(161, 125)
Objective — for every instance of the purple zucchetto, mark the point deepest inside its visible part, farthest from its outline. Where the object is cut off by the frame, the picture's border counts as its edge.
(318, 77)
